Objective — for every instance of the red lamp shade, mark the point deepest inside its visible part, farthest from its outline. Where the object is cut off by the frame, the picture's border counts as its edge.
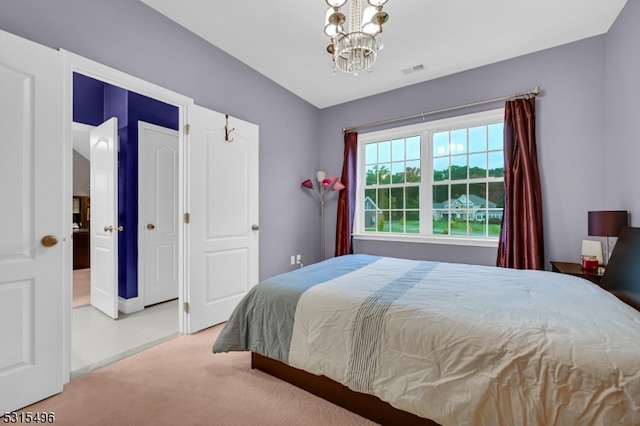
(307, 184)
(607, 223)
(326, 183)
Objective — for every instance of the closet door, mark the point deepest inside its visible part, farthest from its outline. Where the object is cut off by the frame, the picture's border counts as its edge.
(32, 242)
(103, 146)
(223, 207)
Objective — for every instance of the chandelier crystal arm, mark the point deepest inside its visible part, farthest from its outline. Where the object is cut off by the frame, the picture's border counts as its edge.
(354, 51)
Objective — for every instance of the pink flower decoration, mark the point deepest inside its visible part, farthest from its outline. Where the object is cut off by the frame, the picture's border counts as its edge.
(307, 184)
(338, 186)
(326, 183)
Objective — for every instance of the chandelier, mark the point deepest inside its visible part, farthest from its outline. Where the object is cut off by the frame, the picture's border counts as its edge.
(354, 51)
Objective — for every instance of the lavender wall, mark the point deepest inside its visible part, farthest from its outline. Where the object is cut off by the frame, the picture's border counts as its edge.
(140, 41)
(570, 135)
(622, 143)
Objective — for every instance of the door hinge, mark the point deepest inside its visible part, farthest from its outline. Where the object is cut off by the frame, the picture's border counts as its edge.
(186, 307)
(187, 129)
(187, 217)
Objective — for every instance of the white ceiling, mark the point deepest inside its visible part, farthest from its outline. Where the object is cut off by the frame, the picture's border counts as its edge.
(284, 39)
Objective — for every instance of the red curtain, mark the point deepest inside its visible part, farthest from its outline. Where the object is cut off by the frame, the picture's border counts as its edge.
(521, 244)
(347, 198)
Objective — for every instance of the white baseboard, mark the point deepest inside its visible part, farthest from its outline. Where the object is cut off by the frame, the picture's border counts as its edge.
(129, 306)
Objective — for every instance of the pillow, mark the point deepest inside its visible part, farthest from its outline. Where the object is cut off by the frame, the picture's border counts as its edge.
(622, 274)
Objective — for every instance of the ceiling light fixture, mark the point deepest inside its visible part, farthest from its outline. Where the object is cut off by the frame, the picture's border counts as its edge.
(354, 51)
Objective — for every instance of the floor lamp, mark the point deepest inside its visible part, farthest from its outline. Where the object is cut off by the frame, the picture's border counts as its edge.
(325, 184)
(607, 223)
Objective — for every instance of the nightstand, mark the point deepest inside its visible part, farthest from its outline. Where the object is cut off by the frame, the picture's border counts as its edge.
(575, 269)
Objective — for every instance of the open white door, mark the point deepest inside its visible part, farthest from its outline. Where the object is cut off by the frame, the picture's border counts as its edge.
(103, 145)
(223, 207)
(157, 213)
(32, 242)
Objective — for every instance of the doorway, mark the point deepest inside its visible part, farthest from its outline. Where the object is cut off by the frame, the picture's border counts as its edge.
(96, 339)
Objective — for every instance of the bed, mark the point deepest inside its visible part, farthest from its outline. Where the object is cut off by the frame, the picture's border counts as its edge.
(417, 342)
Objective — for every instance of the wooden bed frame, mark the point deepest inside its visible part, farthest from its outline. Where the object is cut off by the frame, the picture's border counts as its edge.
(622, 278)
(368, 406)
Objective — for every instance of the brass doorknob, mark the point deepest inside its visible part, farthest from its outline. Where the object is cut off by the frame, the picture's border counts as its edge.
(151, 227)
(120, 228)
(108, 229)
(49, 241)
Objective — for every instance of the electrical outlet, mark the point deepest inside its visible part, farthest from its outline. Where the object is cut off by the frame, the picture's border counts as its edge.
(299, 259)
(293, 259)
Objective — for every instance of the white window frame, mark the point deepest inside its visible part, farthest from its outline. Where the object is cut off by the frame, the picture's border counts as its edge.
(425, 130)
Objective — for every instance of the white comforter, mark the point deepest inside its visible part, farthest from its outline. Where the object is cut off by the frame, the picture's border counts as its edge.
(473, 345)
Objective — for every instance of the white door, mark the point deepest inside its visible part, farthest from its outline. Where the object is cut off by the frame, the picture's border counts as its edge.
(103, 146)
(223, 207)
(31, 183)
(157, 213)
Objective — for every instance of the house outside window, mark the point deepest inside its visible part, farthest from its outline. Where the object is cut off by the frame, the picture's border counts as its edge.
(440, 181)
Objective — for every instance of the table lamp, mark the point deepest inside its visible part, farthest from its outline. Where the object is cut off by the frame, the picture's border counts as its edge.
(607, 223)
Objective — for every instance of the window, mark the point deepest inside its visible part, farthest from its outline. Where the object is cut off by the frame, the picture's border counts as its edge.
(436, 181)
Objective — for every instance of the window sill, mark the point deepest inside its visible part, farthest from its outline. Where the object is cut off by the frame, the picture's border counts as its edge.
(430, 239)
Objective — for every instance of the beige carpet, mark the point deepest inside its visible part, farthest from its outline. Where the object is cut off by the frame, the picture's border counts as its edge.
(180, 382)
(81, 287)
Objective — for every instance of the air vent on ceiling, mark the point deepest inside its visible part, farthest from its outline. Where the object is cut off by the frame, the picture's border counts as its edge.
(413, 69)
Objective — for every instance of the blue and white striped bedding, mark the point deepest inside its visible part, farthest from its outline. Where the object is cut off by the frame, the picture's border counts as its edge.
(458, 344)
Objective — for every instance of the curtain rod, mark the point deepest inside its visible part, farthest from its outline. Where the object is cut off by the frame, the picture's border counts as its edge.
(535, 91)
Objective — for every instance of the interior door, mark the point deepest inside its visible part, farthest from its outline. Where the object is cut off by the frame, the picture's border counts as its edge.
(223, 207)
(32, 244)
(103, 148)
(158, 212)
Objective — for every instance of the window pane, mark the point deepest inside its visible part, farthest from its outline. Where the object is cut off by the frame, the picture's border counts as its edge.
(440, 195)
(459, 222)
(370, 209)
(372, 175)
(496, 135)
(477, 195)
(413, 147)
(495, 221)
(413, 171)
(383, 198)
(459, 196)
(477, 166)
(496, 164)
(441, 169)
(384, 152)
(370, 220)
(458, 143)
(412, 199)
(384, 175)
(496, 195)
(477, 228)
(371, 153)
(397, 198)
(458, 167)
(370, 194)
(440, 222)
(397, 172)
(478, 139)
(397, 150)
(413, 222)
(397, 221)
(383, 222)
(440, 144)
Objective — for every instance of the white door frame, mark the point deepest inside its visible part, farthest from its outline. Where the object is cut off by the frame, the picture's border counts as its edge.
(76, 63)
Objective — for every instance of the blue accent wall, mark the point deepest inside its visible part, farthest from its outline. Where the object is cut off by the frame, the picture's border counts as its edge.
(95, 102)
